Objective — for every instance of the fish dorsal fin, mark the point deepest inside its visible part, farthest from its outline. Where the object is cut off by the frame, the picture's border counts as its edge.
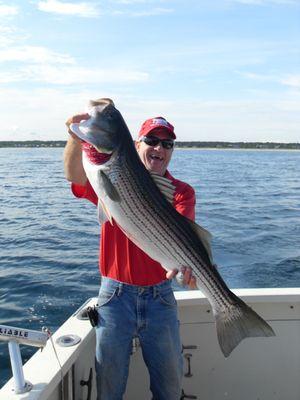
(165, 185)
(204, 235)
(103, 213)
(108, 187)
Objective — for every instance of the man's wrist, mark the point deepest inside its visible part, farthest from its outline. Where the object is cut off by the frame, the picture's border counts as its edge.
(73, 138)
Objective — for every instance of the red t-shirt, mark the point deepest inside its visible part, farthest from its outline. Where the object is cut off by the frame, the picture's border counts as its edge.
(120, 258)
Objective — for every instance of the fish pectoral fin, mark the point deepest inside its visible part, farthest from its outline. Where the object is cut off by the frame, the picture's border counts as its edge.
(108, 187)
(165, 186)
(103, 213)
(204, 235)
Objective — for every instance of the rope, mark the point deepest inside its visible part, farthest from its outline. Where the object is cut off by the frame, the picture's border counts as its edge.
(47, 330)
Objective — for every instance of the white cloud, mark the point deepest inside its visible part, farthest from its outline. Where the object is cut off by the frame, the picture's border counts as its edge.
(257, 120)
(11, 76)
(43, 65)
(79, 75)
(142, 13)
(151, 12)
(83, 9)
(7, 31)
(138, 2)
(70, 75)
(30, 107)
(248, 1)
(292, 81)
(34, 54)
(239, 120)
(266, 2)
(8, 11)
(244, 120)
(259, 77)
(230, 54)
(129, 2)
(5, 40)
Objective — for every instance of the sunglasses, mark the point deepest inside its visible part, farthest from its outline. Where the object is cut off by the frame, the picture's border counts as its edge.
(153, 141)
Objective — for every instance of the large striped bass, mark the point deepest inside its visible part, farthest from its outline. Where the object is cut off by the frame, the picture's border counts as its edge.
(138, 203)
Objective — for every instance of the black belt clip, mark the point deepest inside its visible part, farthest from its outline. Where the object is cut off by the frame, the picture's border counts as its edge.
(93, 315)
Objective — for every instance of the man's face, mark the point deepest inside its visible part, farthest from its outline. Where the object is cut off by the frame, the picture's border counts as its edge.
(155, 158)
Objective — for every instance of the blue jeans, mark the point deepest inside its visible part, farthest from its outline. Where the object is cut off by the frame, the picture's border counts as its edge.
(149, 313)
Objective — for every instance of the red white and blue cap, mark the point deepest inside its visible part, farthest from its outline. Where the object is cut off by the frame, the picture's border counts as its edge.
(157, 123)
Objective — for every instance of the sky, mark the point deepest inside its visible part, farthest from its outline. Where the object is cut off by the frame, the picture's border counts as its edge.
(218, 70)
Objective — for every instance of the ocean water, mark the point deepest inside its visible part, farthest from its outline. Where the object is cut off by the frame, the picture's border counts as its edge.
(248, 200)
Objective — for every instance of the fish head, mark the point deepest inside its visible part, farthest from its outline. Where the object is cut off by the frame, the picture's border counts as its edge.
(101, 130)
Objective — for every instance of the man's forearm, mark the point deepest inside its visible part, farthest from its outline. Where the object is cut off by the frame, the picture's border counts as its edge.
(74, 171)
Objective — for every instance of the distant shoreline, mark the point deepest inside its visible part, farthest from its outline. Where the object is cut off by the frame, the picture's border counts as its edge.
(179, 145)
(238, 148)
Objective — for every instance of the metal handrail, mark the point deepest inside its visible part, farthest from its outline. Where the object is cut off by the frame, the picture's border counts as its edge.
(16, 336)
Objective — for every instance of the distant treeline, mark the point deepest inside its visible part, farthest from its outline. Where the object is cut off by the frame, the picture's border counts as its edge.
(239, 145)
(33, 143)
(189, 144)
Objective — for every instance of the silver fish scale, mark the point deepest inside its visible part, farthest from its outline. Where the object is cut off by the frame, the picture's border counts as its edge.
(155, 219)
(133, 207)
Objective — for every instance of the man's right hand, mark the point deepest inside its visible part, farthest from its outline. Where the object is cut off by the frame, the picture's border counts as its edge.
(75, 119)
(74, 170)
(186, 275)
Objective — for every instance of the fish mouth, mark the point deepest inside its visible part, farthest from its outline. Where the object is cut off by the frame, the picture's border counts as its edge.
(98, 130)
(89, 135)
(87, 130)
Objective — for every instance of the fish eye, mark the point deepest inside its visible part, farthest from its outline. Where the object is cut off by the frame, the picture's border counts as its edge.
(109, 114)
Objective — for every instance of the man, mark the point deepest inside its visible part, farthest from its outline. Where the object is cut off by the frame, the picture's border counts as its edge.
(135, 297)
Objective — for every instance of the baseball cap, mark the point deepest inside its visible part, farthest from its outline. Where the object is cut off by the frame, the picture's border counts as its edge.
(156, 123)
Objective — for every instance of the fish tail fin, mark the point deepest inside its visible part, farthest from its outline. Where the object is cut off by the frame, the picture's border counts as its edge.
(237, 323)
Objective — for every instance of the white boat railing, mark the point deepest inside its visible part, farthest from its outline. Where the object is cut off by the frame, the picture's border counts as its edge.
(16, 336)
